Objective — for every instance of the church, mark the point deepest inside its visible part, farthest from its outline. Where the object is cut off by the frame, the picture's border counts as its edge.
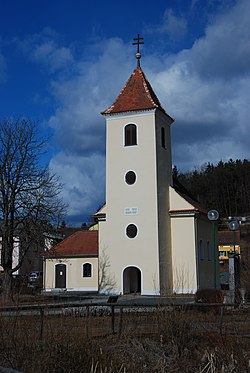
(156, 238)
(153, 238)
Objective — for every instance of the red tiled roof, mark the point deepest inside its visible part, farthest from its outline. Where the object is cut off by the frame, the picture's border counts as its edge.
(137, 94)
(227, 237)
(79, 243)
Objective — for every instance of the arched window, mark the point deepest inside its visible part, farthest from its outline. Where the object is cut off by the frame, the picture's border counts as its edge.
(87, 270)
(130, 135)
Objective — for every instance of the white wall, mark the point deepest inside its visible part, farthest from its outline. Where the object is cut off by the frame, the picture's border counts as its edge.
(142, 251)
(74, 279)
(15, 254)
(191, 230)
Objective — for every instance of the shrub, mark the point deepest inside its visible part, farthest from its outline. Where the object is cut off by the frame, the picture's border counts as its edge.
(209, 295)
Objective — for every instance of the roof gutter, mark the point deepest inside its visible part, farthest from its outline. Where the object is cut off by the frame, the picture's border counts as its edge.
(184, 214)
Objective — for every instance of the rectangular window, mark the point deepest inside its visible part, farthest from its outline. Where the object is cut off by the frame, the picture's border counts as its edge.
(201, 250)
(163, 137)
(209, 251)
(222, 253)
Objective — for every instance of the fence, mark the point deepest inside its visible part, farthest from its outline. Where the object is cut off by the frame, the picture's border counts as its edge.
(118, 337)
(97, 319)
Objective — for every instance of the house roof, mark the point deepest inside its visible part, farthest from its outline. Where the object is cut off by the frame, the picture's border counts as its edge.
(184, 193)
(79, 243)
(228, 238)
(101, 213)
(137, 94)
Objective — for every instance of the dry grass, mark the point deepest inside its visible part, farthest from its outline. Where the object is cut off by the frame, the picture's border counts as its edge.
(166, 340)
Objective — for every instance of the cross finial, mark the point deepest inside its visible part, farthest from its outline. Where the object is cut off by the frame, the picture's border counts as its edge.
(138, 42)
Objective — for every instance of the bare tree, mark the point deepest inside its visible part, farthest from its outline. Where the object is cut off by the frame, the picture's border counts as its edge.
(107, 282)
(29, 194)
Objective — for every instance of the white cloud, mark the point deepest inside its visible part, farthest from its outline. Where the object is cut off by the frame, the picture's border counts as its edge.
(82, 98)
(49, 53)
(84, 182)
(224, 51)
(45, 48)
(172, 25)
(205, 88)
(80, 128)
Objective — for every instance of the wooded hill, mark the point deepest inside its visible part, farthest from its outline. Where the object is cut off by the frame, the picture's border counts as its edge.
(224, 186)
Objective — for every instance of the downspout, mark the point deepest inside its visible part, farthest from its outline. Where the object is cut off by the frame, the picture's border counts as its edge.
(44, 273)
(197, 250)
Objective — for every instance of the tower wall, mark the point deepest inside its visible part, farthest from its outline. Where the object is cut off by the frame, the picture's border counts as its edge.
(164, 180)
(144, 203)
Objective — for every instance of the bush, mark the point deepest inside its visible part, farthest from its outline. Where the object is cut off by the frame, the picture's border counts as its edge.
(209, 295)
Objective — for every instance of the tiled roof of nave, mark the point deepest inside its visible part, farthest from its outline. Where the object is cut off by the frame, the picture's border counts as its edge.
(79, 243)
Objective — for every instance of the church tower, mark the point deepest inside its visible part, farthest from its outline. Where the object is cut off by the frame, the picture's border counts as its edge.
(134, 225)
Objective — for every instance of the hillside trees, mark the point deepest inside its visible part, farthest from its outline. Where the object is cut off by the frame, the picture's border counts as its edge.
(225, 186)
(29, 194)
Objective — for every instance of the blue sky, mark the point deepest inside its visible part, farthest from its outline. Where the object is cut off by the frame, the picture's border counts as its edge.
(63, 62)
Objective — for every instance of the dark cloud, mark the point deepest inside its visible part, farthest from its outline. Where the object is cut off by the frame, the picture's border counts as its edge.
(199, 132)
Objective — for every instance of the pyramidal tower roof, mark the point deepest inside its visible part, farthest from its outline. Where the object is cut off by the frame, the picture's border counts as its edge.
(137, 94)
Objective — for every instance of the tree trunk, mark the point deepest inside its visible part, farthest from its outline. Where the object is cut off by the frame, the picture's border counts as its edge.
(7, 282)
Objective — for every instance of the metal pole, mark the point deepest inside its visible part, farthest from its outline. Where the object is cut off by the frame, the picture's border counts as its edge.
(233, 226)
(215, 256)
(213, 215)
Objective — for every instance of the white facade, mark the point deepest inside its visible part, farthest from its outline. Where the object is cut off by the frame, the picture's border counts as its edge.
(15, 254)
(72, 269)
(142, 263)
(192, 247)
(151, 231)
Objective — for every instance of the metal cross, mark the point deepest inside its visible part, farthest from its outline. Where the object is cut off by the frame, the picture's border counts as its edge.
(138, 42)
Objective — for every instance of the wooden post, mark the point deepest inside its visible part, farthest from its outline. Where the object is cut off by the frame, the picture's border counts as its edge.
(87, 321)
(41, 324)
(113, 319)
(120, 321)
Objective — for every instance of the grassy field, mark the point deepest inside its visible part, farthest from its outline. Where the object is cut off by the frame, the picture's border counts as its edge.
(167, 339)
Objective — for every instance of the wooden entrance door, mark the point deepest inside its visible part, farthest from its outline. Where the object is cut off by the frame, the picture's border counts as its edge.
(131, 280)
(60, 276)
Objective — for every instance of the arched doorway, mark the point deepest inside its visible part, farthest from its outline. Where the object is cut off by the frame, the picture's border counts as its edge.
(131, 280)
(60, 276)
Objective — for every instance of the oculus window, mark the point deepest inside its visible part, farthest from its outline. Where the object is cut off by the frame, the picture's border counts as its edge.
(130, 177)
(131, 231)
(130, 134)
(86, 270)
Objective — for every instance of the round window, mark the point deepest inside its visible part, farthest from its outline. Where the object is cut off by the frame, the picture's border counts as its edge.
(131, 231)
(130, 177)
